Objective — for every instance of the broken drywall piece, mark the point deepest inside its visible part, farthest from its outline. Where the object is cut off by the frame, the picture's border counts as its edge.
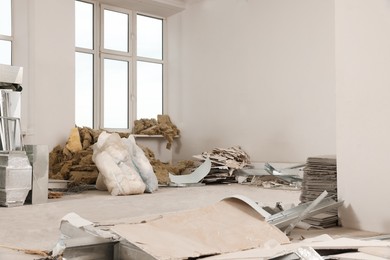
(194, 177)
(77, 232)
(75, 220)
(227, 226)
(264, 214)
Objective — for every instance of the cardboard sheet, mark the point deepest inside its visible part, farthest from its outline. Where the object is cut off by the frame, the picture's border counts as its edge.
(227, 226)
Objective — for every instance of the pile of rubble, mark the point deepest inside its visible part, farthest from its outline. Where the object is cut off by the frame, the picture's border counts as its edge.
(162, 126)
(73, 161)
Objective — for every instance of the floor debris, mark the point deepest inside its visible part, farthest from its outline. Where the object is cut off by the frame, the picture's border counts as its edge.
(225, 161)
(320, 173)
(28, 251)
(236, 227)
(194, 177)
(269, 175)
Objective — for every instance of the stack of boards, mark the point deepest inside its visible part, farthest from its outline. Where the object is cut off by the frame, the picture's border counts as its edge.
(319, 174)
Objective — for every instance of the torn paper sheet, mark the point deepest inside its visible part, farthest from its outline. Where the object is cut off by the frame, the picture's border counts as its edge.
(227, 226)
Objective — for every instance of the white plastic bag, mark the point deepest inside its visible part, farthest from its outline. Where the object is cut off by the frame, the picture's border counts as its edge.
(142, 164)
(114, 162)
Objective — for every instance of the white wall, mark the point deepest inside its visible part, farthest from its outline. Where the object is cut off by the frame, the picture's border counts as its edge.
(363, 105)
(259, 74)
(44, 46)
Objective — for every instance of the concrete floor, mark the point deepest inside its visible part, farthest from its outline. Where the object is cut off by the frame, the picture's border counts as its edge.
(37, 226)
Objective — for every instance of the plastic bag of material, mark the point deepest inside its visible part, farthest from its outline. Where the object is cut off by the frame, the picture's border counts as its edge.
(112, 158)
(142, 164)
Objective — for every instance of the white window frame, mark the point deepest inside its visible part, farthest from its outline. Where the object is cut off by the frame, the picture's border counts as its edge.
(99, 54)
(7, 37)
(96, 62)
(151, 60)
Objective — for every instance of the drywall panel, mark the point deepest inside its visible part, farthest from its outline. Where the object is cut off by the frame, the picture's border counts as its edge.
(363, 122)
(44, 46)
(259, 74)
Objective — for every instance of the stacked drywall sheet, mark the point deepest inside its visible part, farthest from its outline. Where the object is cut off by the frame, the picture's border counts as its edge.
(320, 173)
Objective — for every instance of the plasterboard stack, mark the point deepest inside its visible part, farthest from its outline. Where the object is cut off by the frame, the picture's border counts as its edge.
(319, 174)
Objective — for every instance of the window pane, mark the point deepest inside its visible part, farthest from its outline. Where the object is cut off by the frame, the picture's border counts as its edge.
(5, 17)
(84, 25)
(149, 89)
(84, 89)
(116, 31)
(5, 52)
(149, 37)
(116, 79)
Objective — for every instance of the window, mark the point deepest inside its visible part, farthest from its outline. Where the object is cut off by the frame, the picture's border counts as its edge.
(85, 70)
(119, 66)
(149, 66)
(5, 32)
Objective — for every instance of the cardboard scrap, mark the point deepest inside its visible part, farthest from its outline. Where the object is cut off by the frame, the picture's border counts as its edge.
(228, 226)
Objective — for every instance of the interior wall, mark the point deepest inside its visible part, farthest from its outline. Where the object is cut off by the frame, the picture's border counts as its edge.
(44, 47)
(363, 122)
(259, 74)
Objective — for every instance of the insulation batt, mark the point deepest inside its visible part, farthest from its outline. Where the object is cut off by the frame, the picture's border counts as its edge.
(115, 164)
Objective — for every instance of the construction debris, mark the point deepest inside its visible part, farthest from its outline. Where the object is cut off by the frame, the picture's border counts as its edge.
(289, 218)
(320, 173)
(162, 169)
(273, 175)
(162, 126)
(28, 251)
(225, 161)
(194, 177)
(233, 228)
(71, 163)
(226, 226)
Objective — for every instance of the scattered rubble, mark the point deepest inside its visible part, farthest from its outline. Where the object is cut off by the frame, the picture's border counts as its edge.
(225, 161)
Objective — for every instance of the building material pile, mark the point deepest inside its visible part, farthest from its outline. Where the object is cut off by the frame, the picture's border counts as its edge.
(74, 162)
(320, 173)
(162, 169)
(224, 162)
(162, 126)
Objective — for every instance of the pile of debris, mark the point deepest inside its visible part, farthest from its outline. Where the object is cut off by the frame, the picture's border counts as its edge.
(73, 161)
(224, 162)
(216, 232)
(320, 173)
(162, 169)
(162, 126)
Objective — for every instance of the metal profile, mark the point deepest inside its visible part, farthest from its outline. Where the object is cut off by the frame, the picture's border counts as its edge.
(285, 218)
